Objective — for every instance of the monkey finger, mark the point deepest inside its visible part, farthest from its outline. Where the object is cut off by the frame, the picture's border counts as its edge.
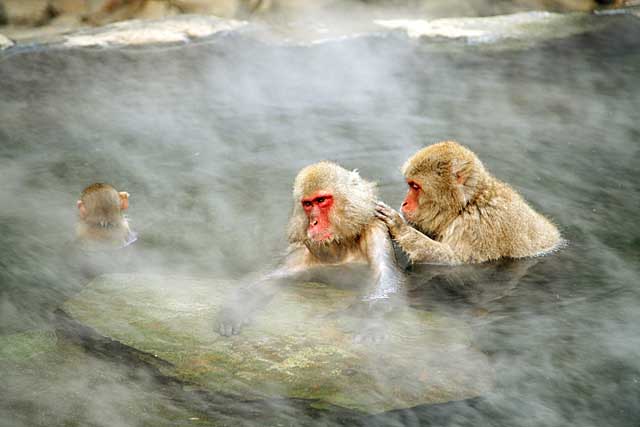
(383, 211)
(381, 215)
(222, 330)
(388, 221)
(386, 211)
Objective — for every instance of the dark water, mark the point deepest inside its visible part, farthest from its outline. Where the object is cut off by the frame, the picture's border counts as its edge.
(207, 139)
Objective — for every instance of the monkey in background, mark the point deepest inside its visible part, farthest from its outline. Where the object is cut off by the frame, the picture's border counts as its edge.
(333, 223)
(458, 213)
(101, 221)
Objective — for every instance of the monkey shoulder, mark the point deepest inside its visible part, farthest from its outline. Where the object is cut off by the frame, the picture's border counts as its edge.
(507, 226)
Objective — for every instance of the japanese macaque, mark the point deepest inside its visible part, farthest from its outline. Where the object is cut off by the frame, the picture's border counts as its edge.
(458, 213)
(333, 223)
(101, 222)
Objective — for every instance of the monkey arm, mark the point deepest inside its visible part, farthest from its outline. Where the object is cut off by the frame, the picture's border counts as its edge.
(419, 247)
(422, 249)
(381, 257)
(244, 301)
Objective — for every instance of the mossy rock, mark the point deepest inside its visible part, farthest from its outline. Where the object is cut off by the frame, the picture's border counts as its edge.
(300, 345)
(48, 380)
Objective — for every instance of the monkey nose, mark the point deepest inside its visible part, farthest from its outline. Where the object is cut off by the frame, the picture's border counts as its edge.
(404, 204)
(314, 222)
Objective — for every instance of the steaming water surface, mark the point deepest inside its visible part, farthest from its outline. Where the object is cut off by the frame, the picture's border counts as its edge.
(207, 139)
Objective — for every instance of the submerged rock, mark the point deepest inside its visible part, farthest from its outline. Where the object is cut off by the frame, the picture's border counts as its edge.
(48, 381)
(300, 345)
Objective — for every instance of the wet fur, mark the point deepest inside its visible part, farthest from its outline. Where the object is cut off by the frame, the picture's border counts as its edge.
(479, 219)
(349, 216)
(105, 222)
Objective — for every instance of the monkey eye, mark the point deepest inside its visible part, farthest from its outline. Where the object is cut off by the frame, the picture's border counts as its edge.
(320, 199)
(306, 204)
(414, 186)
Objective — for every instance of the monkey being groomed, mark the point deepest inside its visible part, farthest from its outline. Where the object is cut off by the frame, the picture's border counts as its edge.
(458, 213)
(333, 224)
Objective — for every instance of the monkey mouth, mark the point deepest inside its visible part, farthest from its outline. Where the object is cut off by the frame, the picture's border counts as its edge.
(319, 237)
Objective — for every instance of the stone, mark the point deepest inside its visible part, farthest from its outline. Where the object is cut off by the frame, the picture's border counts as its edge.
(3, 15)
(222, 8)
(50, 381)
(514, 29)
(157, 9)
(32, 12)
(178, 29)
(299, 346)
(76, 7)
(5, 42)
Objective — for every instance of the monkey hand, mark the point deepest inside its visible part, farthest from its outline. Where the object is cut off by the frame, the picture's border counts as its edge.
(370, 323)
(230, 320)
(371, 331)
(394, 221)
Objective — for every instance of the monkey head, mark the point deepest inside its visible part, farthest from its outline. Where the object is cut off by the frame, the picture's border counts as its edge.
(442, 178)
(101, 214)
(101, 203)
(331, 204)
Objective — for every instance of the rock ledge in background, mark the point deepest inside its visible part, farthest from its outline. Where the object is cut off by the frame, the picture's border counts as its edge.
(5, 42)
(137, 32)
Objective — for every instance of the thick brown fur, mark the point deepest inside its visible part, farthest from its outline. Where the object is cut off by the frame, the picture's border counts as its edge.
(464, 214)
(102, 220)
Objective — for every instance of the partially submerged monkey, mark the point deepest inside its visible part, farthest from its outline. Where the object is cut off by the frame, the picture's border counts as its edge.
(458, 213)
(101, 223)
(333, 223)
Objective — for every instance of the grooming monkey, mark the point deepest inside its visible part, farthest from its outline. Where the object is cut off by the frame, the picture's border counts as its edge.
(333, 223)
(101, 222)
(458, 213)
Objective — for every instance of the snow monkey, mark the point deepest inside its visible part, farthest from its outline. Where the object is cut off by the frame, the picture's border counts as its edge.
(101, 220)
(462, 214)
(333, 223)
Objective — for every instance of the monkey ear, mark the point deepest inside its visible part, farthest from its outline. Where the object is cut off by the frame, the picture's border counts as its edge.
(466, 177)
(82, 210)
(124, 200)
(461, 170)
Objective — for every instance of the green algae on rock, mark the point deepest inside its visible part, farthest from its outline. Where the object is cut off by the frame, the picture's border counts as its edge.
(300, 345)
(55, 382)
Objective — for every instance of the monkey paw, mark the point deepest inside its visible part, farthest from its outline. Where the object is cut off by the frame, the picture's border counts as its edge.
(391, 217)
(230, 322)
(371, 333)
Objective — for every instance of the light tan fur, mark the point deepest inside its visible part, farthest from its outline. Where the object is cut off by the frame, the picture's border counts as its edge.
(353, 210)
(356, 236)
(101, 219)
(464, 214)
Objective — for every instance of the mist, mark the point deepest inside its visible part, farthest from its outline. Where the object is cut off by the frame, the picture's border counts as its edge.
(207, 138)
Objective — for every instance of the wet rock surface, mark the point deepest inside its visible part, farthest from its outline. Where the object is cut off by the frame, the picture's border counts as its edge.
(171, 30)
(299, 346)
(40, 382)
(144, 22)
(5, 42)
(516, 31)
(532, 26)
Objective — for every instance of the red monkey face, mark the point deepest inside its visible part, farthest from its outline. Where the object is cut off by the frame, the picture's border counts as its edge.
(317, 208)
(411, 202)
